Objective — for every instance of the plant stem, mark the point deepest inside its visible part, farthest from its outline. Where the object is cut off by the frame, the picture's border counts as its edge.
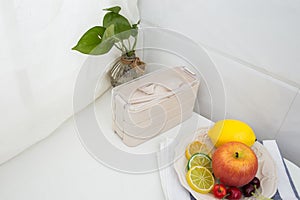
(124, 46)
(121, 46)
(134, 44)
(129, 45)
(118, 47)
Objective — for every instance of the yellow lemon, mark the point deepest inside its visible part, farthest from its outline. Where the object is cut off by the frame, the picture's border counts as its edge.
(229, 130)
(196, 147)
(200, 179)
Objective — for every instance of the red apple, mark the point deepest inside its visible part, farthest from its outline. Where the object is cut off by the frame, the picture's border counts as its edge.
(234, 164)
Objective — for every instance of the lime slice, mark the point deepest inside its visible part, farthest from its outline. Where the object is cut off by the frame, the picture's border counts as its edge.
(196, 147)
(200, 179)
(200, 159)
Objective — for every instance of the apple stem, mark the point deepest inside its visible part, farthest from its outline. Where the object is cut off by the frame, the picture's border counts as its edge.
(236, 154)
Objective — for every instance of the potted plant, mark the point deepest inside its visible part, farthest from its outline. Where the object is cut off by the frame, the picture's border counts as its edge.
(117, 32)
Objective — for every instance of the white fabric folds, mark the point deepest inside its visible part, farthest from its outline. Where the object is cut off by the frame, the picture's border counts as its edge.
(38, 68)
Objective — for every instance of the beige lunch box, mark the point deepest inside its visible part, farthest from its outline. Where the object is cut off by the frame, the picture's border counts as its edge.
(154, 103)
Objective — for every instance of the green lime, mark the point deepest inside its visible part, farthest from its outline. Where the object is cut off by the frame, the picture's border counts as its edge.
(200, 159)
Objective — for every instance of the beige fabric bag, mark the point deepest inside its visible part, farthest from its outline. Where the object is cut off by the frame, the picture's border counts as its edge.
(153, 103)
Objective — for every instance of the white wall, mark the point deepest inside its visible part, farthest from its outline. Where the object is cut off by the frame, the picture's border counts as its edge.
(263, 33)
(255, 47)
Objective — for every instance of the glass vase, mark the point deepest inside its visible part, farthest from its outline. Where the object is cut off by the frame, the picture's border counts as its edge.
(125, 69)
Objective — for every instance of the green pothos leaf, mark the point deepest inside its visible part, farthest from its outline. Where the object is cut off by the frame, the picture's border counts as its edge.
(106, 43)
(90, 40)
(122, 26)
(109, 32)
(115, 9)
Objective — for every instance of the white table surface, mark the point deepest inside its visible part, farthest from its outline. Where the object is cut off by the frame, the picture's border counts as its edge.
(105, 120)
(60, 168)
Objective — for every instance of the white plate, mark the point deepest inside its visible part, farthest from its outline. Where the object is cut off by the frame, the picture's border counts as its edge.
(266, 172)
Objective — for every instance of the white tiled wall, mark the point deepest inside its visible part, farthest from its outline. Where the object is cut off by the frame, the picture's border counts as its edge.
(288, 135)
(264, 33)
(253, 97)
(255, 47)
(270, 106)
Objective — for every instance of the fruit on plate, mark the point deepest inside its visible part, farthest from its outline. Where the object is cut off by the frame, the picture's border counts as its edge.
(200, 159)
(231, 130)
(219, 191)
(234, 164)
(196, 147)
(255, 182)
(200, 179)
(234, 193)
(248, 190)
(251, 188)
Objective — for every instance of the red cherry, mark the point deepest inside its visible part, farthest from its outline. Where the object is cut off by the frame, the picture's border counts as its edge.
(234, 193)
